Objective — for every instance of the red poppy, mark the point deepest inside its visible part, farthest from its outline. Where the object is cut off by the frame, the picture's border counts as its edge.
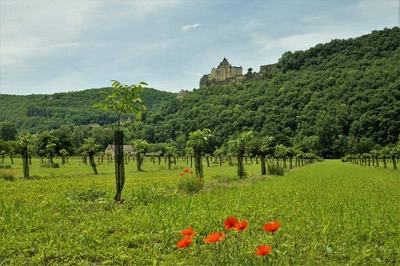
(181, 174)
(242, 225)
(263, 250)
(186, 170)
(188, 232)
(184, 242)
(191, 172)
(200, 179)
(271, 226)
(231, 222)
(214, 237)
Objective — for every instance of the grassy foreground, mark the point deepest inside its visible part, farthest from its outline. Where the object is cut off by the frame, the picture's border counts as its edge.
(331, 213)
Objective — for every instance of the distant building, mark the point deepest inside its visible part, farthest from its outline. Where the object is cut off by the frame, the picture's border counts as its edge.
(94, 124)
(126, 148)
(267, 67)
(225, 73)
(182, 93)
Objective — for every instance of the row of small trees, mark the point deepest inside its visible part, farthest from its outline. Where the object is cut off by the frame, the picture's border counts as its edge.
(375, 156)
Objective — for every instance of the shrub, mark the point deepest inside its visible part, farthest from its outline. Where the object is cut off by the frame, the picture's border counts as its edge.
(50, 165)
(275, 170)
(9, 175)
(189, 183)
(90, 195)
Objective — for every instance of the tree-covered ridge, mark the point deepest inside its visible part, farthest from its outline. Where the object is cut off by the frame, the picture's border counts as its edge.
(44, 112)
(328, 100)
(338, 98)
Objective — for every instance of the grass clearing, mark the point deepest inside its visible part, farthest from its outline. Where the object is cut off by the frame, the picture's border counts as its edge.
(331, 213)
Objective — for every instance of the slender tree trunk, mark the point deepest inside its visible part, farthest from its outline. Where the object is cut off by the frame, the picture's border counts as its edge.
(25, 164)
(92, 162)
(394, 162)
(198, 163)
(119, 164)
(138, 161)
(263, 169)
(169, 162)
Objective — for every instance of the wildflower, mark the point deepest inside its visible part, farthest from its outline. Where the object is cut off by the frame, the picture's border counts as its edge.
(188, 232)
(181, 174)
(231, 222)
(271, 226)
(191, 172)
(200, 179)
(214, 237)
(242, 225)
(263, 250)
(184, 242)
(186, 170)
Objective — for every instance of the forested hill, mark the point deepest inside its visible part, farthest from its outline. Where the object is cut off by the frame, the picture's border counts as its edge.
(332, 99)
(338, 97)
(44, 112)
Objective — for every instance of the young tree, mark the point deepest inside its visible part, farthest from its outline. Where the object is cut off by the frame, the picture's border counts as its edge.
(141, 146)
(124, 99)
(90, 147)
(198, 140)
(238, 146)
(24, 143)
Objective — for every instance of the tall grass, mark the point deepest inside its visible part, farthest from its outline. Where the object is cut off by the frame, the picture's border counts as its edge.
(331, 214)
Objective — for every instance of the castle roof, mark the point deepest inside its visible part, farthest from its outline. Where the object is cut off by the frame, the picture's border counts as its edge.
(224, 63)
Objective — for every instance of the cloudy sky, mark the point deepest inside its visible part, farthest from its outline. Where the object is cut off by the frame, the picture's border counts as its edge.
(65, 45)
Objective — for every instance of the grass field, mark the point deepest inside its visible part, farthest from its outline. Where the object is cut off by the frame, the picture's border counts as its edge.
(331, 213)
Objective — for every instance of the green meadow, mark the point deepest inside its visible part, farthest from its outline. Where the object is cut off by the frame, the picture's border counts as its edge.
(331, 213)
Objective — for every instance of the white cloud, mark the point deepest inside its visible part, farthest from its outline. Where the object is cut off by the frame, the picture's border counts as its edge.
(189, 27)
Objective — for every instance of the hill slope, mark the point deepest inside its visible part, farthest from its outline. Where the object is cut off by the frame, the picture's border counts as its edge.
(44, 112)
(328, 99)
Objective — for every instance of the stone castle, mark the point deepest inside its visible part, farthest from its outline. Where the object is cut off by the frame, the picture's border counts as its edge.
(225, 73)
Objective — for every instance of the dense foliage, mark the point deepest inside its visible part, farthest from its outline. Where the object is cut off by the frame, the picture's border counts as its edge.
(338, 98)
(36, 113)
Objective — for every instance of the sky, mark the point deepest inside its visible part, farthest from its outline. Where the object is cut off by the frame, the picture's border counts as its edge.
(55, 46)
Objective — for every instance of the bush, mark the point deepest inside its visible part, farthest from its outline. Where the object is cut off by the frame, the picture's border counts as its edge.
(8, 175)
(90, 195)
(50, 165)
(7, 166)
(189, 183)
(275, 170)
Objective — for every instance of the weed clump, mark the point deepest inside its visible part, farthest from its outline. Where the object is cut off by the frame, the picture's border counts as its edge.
(9, 175)
(275, 170)
(189, 183)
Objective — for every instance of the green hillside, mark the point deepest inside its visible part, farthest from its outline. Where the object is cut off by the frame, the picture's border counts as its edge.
(332, 99)
(36, 113)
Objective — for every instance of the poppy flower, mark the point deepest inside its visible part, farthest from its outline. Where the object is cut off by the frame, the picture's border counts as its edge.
(186, 170)
(214, 237)
(200, 179)
(181, 174)
(231, 222)
(184, 242)
(188, 232)
(271, 226)
(242, 225)
(263, 250)
(191, 172)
